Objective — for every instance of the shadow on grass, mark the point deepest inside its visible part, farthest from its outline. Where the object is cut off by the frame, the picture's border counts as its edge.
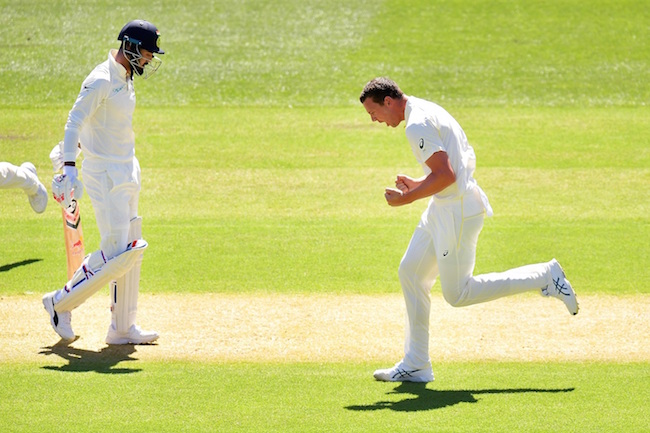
(429, 399)
(10, 266)
(81, 360)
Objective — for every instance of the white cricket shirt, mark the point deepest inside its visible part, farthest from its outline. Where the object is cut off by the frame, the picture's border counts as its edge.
(430, 129)
(101, 117)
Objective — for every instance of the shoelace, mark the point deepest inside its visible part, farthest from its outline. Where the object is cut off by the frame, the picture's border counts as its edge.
(403, 373)
(561, 288)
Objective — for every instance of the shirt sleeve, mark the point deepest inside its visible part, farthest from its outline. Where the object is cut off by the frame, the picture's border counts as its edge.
(93, 93)
(425, 139)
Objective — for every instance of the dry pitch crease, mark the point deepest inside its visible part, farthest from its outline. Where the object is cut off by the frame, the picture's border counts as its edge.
(337, 328)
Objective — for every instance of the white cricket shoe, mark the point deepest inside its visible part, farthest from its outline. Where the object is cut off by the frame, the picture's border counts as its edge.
(60, 321)
(559, 287)
(135, 335)
(399, 373)
(38, 200)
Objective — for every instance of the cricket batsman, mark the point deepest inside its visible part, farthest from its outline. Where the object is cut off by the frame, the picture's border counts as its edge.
(444, 242)
(100, 122)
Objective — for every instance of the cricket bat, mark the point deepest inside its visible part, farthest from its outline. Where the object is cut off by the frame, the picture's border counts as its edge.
(74, 238)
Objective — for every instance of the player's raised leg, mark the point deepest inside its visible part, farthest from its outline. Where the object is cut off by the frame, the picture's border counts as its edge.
(460, 288)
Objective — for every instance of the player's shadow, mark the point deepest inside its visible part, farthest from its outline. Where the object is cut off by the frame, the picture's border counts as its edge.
(429, 399)
(81, 360)
(10, 266)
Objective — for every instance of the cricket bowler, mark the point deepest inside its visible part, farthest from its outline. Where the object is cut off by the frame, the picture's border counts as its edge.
(444, 242)
(100, 121)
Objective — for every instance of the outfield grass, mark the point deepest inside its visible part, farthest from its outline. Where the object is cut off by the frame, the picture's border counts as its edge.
(263, 174)
(239, 191)
(104, 395)
(287, 53)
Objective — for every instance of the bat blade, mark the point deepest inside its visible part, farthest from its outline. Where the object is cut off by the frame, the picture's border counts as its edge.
(74, 239)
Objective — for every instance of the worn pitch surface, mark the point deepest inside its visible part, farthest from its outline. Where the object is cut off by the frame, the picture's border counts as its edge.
(335, 328)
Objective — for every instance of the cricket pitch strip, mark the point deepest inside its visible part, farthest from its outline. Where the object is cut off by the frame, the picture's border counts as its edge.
(340, 328)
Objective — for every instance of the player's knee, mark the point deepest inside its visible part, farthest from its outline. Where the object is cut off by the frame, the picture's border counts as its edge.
(116, 242)
(455, 289)
(454, 294)
(96, 260)
(407, 269)
(407, 277)
(452, 299)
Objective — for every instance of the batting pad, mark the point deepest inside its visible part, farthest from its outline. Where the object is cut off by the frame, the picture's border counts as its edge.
(87, 281)
(124, 290)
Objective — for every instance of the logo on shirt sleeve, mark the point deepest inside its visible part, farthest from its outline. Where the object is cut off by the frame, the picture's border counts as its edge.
(421, 143)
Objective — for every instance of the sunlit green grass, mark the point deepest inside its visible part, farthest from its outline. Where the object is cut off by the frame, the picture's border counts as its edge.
(134, 396)
(243, 202)
(287, 53)
(263, 173)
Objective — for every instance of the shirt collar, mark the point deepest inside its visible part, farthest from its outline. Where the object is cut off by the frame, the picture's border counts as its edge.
(408, 108)
(121, 70)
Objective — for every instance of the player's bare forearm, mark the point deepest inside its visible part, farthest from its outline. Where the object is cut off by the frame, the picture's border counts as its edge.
(409, 190)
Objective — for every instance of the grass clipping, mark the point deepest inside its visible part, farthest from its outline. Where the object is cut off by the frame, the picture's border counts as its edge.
(338, 328)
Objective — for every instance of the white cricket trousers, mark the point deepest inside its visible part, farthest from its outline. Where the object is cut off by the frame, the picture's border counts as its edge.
(114, 189)
(13, 176)
(444, 245)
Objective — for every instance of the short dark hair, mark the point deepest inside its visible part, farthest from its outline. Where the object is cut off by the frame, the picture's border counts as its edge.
(378, 88)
